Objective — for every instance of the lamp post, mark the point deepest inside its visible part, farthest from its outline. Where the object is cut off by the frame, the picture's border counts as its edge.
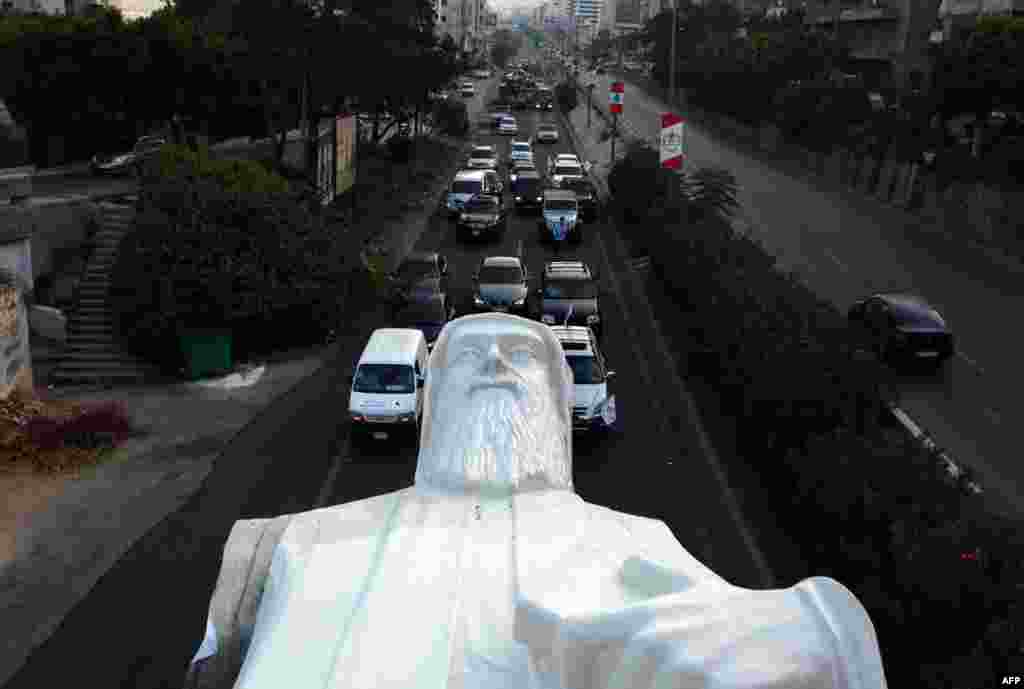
(590, 100)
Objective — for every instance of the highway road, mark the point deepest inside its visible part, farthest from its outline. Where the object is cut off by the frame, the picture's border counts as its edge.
(143, 620)
(628, 469)
(846, 246)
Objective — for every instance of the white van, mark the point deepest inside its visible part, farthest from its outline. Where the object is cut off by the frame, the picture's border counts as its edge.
(387, 387)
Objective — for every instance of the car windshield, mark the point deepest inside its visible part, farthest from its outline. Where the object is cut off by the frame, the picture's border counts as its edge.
(508, 122)
(913, 314)
(500, 275)
(484, 205)
(521, 148)
(559, 205)
(483, 153)
(570, 289)
(416, 270)
(568, 170)
(394, 379)
(413, 315)
(465, 187)
(547, 130)
(586, 370)
(527, 186)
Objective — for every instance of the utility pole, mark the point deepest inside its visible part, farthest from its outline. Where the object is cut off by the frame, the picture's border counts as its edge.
(615, 130)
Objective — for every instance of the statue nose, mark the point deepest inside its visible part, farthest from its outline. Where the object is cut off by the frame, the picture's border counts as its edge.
(496, 364)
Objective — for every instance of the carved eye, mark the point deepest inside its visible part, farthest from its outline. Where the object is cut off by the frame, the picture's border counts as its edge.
(522, 355)
(468, 354)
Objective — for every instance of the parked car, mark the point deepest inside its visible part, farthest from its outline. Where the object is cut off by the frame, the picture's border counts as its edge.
(546, 134)
(902, 328)
(467, 90)
(528, 190)
(483, 217)
(560, 219)
(423, 275)
(507, 125)
(590, 376)
(501, 284)
(428, 316)
(586, 197)
(146, 148)
(569, 295)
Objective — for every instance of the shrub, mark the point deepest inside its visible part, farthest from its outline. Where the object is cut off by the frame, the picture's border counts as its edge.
(221, 244)
(566, 96)
(451, 117)
(107, 423)
(887, 521)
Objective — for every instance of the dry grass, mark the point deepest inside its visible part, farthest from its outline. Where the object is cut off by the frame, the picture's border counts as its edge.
(18, 453)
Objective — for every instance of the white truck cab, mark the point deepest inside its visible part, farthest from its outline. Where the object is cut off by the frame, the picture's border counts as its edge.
(387, 386)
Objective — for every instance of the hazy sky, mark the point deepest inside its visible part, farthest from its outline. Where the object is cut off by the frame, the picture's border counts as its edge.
(134, 8)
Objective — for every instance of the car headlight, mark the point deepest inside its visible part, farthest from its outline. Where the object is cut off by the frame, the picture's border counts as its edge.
(593, 318)
(547, 319)
(519, 198)
(407, 417)
(463, 218)
(478, 301)
(519, 302)
(539, 198)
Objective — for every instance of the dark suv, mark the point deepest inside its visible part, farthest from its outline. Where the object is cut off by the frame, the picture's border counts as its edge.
(569, 295)
(528, 190)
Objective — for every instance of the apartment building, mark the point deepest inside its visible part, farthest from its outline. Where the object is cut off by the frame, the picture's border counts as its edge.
(468, 22)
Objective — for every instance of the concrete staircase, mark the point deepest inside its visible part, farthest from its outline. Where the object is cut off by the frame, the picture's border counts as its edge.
(92, 355)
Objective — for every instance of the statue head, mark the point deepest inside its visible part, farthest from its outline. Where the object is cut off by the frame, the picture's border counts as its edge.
(497, 408)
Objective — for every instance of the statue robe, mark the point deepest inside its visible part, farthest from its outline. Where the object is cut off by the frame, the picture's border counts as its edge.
(425, 590)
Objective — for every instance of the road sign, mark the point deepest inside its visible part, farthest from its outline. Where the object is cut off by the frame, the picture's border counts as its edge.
(671, 149)
(615, 95)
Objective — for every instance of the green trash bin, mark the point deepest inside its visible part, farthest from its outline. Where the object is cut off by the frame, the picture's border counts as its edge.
(206, 352)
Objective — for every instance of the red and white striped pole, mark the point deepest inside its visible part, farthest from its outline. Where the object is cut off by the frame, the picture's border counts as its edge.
(618, 90)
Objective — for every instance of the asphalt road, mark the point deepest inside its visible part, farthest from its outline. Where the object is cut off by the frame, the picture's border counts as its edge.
(846, 246)
(80, 183)
(142, 622)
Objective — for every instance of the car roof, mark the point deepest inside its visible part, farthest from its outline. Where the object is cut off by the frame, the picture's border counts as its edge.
(577, 270)
(566, 156)
(391, 345)
(421, 257)
(521, 143)
(559, 195)
(503, 261)
(463, 175)
(490, 200)
(574, 334)
(509, 117)
(547, 126)
(528, 174)
(906, 304)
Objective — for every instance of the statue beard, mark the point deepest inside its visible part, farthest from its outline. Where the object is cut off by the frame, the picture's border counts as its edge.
(504, 440)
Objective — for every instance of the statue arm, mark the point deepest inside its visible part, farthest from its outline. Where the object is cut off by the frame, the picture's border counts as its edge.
(236, 598)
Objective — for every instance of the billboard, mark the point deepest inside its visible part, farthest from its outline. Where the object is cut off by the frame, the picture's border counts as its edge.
(345, 153)
(325, 168)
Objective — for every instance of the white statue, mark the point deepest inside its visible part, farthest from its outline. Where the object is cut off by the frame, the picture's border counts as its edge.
(491, 573)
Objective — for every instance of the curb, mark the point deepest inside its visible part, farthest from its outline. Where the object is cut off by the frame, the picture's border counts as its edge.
(954, 469)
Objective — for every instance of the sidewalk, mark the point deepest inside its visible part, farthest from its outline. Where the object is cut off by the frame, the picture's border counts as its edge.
(72, 529)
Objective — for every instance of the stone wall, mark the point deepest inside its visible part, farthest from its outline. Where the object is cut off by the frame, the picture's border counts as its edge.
(15, 283)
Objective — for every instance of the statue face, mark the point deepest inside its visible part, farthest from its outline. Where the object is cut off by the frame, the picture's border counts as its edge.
(496, 415)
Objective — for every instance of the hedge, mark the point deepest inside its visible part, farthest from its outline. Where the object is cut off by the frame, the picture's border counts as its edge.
(938, 574)
(225, 244)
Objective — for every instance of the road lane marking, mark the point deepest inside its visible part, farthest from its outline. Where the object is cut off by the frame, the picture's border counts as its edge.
(707, 449)
(992, 415)
(328, 486)
(972, 363)
(839, 264)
